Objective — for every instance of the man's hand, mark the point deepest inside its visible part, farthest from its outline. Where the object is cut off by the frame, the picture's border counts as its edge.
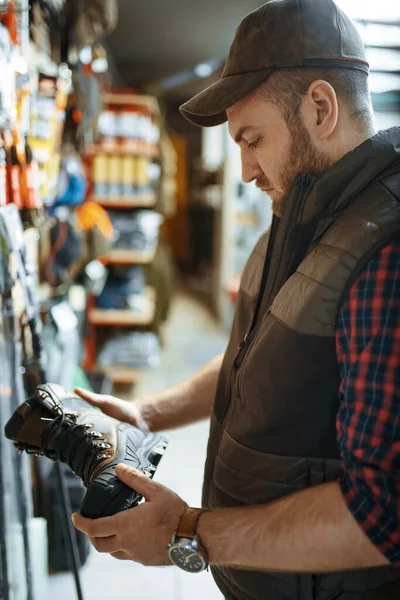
(122, 410)
(142, 533)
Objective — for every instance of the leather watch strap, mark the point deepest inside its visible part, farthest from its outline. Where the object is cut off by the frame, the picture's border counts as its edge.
(187, 527)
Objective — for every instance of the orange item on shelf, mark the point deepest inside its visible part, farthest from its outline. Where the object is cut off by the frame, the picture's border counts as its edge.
(90, 214)
(30, 181)
(10, 22)
(13, 155)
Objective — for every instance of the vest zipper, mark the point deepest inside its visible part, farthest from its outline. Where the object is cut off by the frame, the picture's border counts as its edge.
(245, 350)
(248, 338)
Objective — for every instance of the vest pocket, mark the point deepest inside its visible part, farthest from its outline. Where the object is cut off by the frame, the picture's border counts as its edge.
(253, 477)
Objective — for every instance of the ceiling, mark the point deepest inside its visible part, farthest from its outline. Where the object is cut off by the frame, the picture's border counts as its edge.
(159, 38)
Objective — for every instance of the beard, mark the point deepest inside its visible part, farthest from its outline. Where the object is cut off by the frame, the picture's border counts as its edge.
(303, 158)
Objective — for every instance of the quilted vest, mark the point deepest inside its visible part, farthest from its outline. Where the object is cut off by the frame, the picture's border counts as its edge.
(273, 427)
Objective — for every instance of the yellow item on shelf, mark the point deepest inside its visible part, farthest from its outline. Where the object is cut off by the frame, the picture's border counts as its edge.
(128, 175)
(100, 178)
(114, 175)
(142, 174)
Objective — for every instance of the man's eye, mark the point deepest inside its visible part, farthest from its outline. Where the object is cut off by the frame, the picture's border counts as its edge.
(253, 144)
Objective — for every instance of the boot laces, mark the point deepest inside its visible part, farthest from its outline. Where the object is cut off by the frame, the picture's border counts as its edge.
(94, 440)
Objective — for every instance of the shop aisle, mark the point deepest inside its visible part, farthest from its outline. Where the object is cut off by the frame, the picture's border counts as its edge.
(191, 338)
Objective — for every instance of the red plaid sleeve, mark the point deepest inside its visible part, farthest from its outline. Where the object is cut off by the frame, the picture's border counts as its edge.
(368, 423)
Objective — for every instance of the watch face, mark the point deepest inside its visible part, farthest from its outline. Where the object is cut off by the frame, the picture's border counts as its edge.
(186, 558)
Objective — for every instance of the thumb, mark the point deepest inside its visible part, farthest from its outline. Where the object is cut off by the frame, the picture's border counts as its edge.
(138, 481)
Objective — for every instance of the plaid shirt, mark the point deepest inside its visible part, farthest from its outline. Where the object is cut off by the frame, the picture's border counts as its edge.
(368, 423)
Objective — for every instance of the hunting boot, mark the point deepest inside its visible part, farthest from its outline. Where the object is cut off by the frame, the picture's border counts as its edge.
(60, 425)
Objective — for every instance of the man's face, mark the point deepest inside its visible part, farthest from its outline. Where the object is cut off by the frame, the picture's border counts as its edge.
(273, 153)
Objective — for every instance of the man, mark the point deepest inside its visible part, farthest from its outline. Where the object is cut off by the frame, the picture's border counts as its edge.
(302, 483)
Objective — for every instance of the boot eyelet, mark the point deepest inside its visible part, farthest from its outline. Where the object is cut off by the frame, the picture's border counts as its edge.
(88, 426)
(101, 456)
(95, 434)
(104, 445)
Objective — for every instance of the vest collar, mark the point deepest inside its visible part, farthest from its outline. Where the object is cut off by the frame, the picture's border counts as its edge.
(349, 176)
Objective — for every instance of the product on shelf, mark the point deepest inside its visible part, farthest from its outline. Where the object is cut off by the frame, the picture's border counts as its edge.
(3, 175)
(128, 188)
(136, 350)
(124, 290)
(136, 230)
(100, 176)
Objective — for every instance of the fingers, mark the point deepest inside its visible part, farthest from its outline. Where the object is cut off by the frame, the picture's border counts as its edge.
(108, 404)
(91, 397)
(101, 528)
(137, 481)
(107, 544)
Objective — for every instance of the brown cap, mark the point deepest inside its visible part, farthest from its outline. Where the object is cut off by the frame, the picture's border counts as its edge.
(279, 34)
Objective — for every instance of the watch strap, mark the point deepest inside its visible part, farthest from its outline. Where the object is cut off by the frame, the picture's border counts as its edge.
(187, 527)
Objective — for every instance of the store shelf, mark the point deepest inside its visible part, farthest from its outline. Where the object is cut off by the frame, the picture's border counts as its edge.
(149, 102)
(107, 318)
(123, 375)
(148, 201)
(128, 257)
(118, 150)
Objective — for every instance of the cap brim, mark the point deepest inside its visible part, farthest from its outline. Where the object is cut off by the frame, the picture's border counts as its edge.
(208, 108)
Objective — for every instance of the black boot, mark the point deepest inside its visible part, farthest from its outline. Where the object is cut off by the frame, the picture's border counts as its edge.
(60, 425)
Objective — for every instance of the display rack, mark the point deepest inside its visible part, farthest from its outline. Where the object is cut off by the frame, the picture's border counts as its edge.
(119, 186)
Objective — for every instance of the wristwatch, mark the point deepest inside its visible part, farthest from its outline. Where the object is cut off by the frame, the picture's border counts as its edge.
(185, 549)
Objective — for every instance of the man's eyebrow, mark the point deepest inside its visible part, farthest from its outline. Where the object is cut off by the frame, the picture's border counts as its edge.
(242, 130)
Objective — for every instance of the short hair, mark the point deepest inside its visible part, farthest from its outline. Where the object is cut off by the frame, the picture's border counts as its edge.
(286, 87)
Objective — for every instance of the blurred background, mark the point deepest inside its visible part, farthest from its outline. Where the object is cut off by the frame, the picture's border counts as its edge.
(136, 226)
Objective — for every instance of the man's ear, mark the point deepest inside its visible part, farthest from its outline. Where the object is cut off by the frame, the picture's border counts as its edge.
(320, 110)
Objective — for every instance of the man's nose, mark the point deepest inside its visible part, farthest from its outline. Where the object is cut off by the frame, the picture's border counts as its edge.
(250, 170)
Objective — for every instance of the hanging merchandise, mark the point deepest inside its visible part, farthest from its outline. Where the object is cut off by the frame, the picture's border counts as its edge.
(13, 153)
(47, 118)
(98, 19)
(97, 231)
(71, 187)
(30, 181)
(3, 175)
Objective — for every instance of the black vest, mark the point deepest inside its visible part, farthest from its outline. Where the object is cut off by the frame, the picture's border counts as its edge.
(273, 428)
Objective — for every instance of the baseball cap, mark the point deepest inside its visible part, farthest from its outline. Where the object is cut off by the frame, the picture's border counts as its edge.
(279, 34)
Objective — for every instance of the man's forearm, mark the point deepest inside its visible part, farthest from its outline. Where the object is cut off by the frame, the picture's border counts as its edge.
(184, 403)
(312, 531)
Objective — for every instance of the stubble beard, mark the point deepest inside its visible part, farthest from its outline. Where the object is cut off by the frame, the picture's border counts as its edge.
(303, 158)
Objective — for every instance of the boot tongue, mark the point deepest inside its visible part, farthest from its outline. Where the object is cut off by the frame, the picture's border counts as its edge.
(51, 394)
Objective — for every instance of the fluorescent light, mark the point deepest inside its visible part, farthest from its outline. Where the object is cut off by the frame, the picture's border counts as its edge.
(380, 83)
(382, 59)
(100, 65)
(203, 70)
(85, 55)
(371, 10)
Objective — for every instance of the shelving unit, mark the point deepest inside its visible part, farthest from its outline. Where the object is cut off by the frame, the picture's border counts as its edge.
(143, 195)
(134, 149)
(148, 201)
(128, 257)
